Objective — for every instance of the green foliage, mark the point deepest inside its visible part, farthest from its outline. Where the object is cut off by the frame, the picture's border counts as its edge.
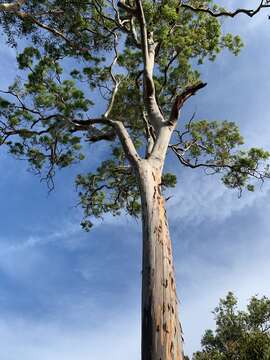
(239, 335)
(112, 188)
(216, 147)
(76, 51)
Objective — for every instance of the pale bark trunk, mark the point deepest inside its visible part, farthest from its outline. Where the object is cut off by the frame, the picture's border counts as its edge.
(161, 330)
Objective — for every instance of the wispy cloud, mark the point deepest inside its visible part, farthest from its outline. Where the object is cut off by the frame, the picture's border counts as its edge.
(200, 198)
(115, 338)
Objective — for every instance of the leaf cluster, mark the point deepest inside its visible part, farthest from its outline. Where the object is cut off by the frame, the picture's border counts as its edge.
(216, 147)
(239, 335)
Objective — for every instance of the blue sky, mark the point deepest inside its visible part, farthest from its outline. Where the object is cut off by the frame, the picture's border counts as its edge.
(64, 293)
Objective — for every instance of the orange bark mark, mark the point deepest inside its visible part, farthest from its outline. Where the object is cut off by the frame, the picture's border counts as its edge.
(168, 332)
(160, 300)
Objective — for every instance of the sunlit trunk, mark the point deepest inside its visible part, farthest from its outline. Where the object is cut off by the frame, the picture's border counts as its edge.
(161, 331)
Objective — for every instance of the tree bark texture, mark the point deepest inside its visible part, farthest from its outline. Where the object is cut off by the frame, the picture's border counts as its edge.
(161, 330)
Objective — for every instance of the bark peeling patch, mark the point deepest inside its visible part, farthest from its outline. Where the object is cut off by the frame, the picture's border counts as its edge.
(161, 326)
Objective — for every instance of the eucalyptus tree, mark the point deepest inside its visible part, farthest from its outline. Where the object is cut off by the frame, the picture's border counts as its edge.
(139, 61)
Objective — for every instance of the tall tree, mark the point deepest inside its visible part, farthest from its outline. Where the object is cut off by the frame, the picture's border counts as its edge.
(140, 61)
(239, 335)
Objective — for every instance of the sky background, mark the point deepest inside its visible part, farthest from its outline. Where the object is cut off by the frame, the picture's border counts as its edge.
(66, 294)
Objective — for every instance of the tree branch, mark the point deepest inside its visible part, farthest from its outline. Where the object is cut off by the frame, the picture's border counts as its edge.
(180, 100)
(148, 48)
(94, 134)
(121, 132)
(150, 137)
(166, 69)
(126, 142)
(248, 12)
(15, 8)
(127, 8)
(217, 166)
(115, 81)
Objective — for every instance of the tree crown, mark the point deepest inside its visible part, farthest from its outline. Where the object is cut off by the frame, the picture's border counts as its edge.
(138, 60)
(238, 334)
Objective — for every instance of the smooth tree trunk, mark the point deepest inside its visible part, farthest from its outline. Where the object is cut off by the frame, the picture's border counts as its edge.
(161, 330)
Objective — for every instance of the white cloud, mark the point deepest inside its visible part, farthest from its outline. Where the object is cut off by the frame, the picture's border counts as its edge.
(198, 198)
(64, 233)
(114, 338)
(25, 260)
